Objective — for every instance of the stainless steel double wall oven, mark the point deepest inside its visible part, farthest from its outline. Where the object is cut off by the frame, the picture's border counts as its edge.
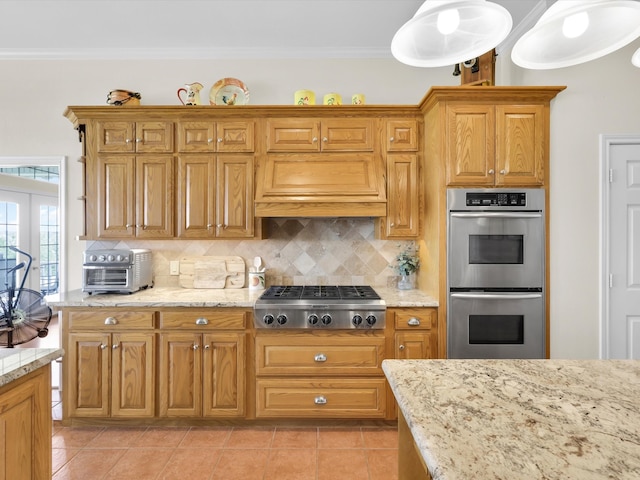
(496, 273)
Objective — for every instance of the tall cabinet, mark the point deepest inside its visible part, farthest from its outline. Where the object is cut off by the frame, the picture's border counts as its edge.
(478, 137)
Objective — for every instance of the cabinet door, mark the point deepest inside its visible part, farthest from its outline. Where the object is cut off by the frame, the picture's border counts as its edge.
(154, 196)
(87, 371)
(402, 136)
(235, 137)
(347, 135)
(470, 144)
(154, 137)
(180, 382)
(415, 345)
(116, 137)
(116, 196)
(223, 374)
(293, 135)
(403, 215)
(196, 186)
(196, 137)
(520, 145)
(234, 196)
(25, 427)
(132, 375)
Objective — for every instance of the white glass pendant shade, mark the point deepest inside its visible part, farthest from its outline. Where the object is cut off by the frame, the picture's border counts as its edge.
(636, 58)
(573, 32)
(446, 32)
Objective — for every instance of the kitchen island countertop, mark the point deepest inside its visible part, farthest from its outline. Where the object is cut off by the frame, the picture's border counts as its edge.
(18, 362)
(229, 297)
(522, 419)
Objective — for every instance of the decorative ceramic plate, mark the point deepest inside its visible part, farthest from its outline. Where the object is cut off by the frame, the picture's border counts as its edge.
(229, 91)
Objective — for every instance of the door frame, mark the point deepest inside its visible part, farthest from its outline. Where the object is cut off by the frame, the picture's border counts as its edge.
(61, 163)
(606, 141)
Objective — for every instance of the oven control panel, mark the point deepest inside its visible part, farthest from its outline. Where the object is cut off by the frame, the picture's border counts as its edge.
(496, 199)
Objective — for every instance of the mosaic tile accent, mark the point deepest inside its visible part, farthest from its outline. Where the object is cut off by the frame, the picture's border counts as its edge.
(300, 251)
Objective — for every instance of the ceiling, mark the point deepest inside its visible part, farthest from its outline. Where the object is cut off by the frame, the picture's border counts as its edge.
(191, 29)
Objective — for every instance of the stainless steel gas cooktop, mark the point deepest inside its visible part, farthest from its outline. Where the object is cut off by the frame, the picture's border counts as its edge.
(320, 306)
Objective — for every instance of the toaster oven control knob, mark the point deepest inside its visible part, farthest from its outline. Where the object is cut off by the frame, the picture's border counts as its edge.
(371, 319)
(326, 319)
(356, 320)
(268, 319)
(282, 319)
(313, 319)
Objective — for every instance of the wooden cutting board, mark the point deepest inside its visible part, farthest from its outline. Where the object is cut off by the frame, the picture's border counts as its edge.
(212, 272)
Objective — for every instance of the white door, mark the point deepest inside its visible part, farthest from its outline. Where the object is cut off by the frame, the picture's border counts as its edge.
(621, 247)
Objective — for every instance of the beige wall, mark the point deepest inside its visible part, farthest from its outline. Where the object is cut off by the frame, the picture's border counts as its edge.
(601, 97)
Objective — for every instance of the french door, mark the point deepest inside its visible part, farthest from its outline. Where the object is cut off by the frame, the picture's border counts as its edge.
(30, 222)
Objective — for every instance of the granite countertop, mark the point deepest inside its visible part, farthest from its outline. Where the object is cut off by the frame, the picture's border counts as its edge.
(522, 419)
(229, 297)
(18, 362)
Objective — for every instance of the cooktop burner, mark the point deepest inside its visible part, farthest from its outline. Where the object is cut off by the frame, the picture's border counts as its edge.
(320, 306)
(312, 292)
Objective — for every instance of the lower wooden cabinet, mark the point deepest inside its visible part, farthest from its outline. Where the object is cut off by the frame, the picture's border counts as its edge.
(109, 366)
(415, 334)
(330, 374)
(25, 427)
(202, 374)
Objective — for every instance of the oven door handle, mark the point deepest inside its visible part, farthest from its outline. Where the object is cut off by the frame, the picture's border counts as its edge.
(107, 267)
(496, 214)
(497, 296)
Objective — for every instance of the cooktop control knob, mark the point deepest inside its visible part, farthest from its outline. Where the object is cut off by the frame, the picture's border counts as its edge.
(356, 320)
(282, 319)
(371, 319)
(268, 319)
(313, 319)
(93, 258)
(101, 258)
(326, 319)
(110, 258)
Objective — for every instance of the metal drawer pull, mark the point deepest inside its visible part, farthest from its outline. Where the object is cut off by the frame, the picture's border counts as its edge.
(320, 357)
(202, 321)
(114, 346)
(110, 321)
(401, 347)
(413, 322)
(321, 400)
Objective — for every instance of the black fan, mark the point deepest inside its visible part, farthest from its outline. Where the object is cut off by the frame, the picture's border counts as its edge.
(24, 315)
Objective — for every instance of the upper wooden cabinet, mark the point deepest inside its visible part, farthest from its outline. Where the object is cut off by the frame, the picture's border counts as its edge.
(315, 135)
(497, 145)
(130, 137)
(402, 135)
(209, 137)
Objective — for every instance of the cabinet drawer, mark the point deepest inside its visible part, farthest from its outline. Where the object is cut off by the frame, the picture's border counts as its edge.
(321, 398)
(112, 319)
(319, 356)
(422, 319)
(202, 319)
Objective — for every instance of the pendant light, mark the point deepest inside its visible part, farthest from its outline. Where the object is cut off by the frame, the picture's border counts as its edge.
(572, 32)
(447, 32)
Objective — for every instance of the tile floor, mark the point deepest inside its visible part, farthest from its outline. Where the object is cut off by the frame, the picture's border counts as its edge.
(229, 453)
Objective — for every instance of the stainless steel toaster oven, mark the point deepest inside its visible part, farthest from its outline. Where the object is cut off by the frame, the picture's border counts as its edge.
(116, 270)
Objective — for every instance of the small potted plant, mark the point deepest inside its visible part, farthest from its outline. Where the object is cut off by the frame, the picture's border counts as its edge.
(407, 264)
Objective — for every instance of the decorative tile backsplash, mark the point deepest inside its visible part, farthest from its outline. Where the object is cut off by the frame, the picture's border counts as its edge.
(300, 251)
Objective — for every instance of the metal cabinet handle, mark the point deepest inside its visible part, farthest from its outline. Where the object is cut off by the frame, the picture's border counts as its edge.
(103, 346)
(209, 140)
(400, 347)
(320, 357)
(202, 321)
(325, 139)
(207, 347)
(220, 140)
(321, 400)
(314, 139)
(138, 140)
(391, 139)
(413, 322)
(502, 172)
(195, 346)
(110, 321)
(114, 346)
(491, 172)
(127, 140)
